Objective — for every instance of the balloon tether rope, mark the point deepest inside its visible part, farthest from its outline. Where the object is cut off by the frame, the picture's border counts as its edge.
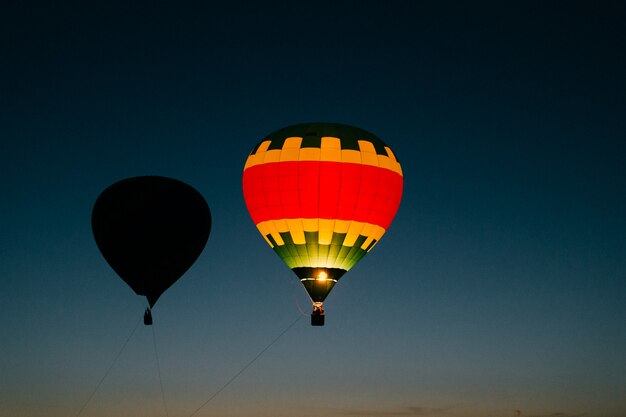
(156, 355)
(108, 370)
(241, 371)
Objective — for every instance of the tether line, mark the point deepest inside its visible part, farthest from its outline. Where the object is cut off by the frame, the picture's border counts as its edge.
(159, 372)
(108, 370)
(223, 387)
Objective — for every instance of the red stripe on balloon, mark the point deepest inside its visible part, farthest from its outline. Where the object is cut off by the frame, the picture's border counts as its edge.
(322, 189)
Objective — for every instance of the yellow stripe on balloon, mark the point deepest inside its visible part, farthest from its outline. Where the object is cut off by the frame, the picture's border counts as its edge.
(351, 156)
(271, 156)
(271, 228)
(293, 142)
(330, 151)
(353, 233)
(367, 242)
(325, 229)
(310, 225)
(342, 226)
(368, 153)
(259, 156)
(296, 229)
(289, 154)
(310, 154)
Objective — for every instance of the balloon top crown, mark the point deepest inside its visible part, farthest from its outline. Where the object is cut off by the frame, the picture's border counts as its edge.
(312, 135)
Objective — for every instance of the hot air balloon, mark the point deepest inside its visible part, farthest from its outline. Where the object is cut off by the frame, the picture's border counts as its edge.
(150, 230)
(322, 195)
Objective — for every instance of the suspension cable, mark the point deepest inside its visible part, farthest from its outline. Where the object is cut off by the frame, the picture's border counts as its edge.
(156, 355)
(108, 370)
(295, 300)
(216, 393)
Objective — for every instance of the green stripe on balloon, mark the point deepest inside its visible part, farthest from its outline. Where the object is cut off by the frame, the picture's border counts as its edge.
(315, 255)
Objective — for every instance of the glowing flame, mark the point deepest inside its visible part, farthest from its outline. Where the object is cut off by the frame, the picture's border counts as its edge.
(322, 276)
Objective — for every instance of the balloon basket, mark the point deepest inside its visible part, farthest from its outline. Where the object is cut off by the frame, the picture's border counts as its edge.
(147, 317)
(317, 319)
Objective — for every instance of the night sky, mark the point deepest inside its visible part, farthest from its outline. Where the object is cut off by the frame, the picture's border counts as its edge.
(498, 291)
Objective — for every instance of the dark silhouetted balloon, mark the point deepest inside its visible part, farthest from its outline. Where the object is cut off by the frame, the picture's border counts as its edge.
(150, 230)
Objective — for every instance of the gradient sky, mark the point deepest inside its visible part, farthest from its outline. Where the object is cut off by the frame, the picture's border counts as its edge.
(499, 290)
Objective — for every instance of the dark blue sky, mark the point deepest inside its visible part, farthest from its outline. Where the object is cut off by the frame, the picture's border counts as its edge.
(499, 287)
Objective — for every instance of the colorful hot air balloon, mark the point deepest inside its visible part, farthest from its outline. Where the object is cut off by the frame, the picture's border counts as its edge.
(150, 230)
(322, 195)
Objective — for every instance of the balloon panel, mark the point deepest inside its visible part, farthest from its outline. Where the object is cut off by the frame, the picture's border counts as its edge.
(322, 190)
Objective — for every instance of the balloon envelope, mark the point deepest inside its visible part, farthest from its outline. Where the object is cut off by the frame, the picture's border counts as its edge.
(150, 230)
(322, 195)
